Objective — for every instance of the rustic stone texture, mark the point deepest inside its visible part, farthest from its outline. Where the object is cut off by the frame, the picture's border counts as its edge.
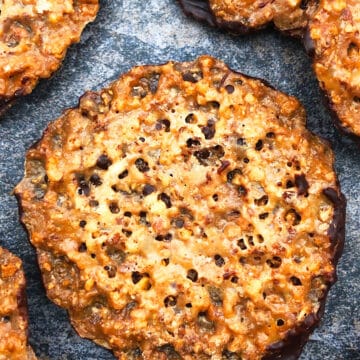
(127, 33)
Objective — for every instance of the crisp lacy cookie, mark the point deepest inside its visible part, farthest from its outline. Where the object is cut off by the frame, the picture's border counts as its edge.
(185, 212)
(329, 28)
(13, 310)
(334, 32)
(243, 16)
(34, 37)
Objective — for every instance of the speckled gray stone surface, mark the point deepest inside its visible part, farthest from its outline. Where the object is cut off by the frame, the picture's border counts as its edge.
(131, 32)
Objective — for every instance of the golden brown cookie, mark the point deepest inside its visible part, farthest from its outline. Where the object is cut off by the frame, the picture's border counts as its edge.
(13, 310)
(330, 30)
(242, 16)
(34, 37)
(185, 212)
(335, 35)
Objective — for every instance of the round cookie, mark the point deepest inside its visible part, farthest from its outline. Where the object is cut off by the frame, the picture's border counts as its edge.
(242, 16)
(34, 37)
(335, 45)
(185, 212)
(13, 310)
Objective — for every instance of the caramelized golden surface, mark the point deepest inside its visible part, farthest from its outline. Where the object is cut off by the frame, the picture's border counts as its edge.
(13, 312)
(287, 15)
(183, 212)
(34, 37)
(335, 30)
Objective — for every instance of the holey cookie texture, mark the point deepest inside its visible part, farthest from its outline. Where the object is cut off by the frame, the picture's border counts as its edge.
(334, 32)
(185, 212)
(34, 37)
(329, 29)
(13, 310)
(242, 16)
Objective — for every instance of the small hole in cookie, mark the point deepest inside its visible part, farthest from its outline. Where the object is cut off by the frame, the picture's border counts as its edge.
(82, 247)
(95, 180)
(148, 189)
(192, 142)
(5, 319)
(126, 232)
(259, 145)
(274, 262)
(165, 199)
(190, 118)
(241, 142)
(262, 201)
(93, 203)
(178, 222)
(123, 174)
(142, 165)
(242, 190)
(209, 130)
(136, 277)
(229, 89)
(353, 49)
(114, 208)
(250, 240)
(295, 281)
(82, 223)
(192, 274)
(103, 162)
(219, 260)
(111, 271)
(241, 244)
(263, 216)
(170, 301)
(293, 217)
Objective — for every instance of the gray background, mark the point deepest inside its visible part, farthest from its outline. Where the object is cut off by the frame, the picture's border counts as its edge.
(132, 32)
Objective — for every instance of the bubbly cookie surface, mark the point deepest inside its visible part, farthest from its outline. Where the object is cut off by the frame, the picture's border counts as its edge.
(34, 37)
(335, 31)
(185, 212)
(13, 310)
(242, 16)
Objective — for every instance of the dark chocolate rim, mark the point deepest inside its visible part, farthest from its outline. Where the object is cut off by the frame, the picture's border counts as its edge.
(336, 119)
(201, 11)
(291, 346)
(310, 50)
